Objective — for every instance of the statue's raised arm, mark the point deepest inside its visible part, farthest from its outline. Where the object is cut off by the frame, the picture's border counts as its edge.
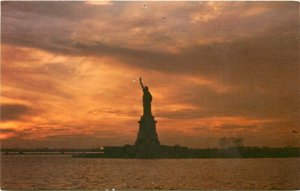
(142, 83)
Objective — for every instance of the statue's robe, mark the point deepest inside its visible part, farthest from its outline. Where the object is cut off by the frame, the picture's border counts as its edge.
(147, 98)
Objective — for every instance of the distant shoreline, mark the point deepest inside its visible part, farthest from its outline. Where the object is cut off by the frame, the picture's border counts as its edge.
(170, 152)
(46, 153)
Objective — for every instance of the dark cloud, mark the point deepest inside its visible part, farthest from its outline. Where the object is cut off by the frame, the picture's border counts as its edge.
(181, 114)
(231, 127)
(261, 56)
(14, 111)
(5, 130)
(116, 112)
(63, 9)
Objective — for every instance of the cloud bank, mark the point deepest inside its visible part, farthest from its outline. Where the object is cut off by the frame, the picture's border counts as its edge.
(70, 69)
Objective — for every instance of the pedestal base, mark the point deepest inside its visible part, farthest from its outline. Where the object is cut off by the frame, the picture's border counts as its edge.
(147, 135)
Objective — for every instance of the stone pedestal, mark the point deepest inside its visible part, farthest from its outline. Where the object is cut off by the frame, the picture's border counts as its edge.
(147, 135)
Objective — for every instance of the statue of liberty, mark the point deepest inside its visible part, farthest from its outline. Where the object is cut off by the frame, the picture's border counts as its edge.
(147, 138)
(147, 98)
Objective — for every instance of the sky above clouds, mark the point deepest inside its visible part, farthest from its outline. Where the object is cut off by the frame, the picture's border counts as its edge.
(69, 72)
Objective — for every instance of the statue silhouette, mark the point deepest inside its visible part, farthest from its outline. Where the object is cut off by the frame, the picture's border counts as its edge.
(147, 98)
(147, 139)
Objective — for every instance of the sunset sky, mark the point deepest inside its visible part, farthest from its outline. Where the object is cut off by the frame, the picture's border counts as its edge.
(69, 72)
